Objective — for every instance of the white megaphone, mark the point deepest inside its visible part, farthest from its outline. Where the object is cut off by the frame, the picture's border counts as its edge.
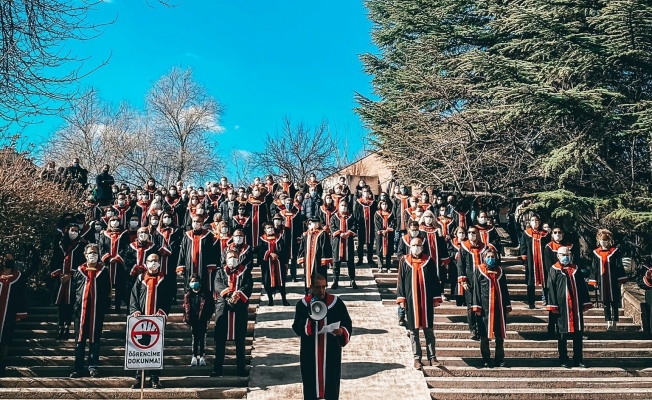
(318, 310)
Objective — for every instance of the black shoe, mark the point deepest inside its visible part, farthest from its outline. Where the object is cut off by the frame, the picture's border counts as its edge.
(155, 383)
(565, 364)
(271, 301)
(354, 285)
(384, 270)
(295, 280)
(60, 335)
(579, 365)
(373, 265)
(285, 302)
(94, 372)
(486, 364)
(501, 364)
(401, 320)
(66, 334)
(531, 306)
(137, 385)
(76, 374)
(216, 372)
(243, 372)
(359, 263)
(475, 337)
(335, 284)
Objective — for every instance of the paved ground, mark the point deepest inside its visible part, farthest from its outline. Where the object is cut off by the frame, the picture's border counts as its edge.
(377, 363)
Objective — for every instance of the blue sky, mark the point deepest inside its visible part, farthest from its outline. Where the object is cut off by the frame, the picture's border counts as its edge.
(262, 60)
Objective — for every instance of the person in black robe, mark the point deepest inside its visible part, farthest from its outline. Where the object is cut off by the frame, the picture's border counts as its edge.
(135, 254)
(385, 227)
(471, 256)
(293, 221)
(608, 274)
(67, 257)
(92, 286)
(455, 252)
(149, 297)
(326, 212)
(315, 252)
(113, 242)
(343, 231)
(312, 182)
(233, 288)
(258, 213)
(175, 204)
(550, 259)
(197, 255)
(123, 210)
(569, 298)
(363, 211)
(436, 246)
(270, 253)
(243, 221)
(272, 191)
(491, 304)
(419, 292)
(12, 301)
(169, 252)
(321, 353)
(533, 243)
(401, 203)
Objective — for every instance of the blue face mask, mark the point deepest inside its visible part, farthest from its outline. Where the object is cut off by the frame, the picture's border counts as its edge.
(194, 285)
(565, 260)
(491, 262)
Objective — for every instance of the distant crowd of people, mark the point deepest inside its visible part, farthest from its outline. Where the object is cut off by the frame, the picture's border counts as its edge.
(132, 246)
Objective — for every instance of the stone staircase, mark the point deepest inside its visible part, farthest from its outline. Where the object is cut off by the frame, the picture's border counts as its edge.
(619, 363)
(39, 366)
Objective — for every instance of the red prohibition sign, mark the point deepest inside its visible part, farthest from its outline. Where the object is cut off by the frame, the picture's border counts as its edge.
(148, 338)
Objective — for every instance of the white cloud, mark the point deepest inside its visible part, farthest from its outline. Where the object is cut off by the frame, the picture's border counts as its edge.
(210, 122)
(236, 127)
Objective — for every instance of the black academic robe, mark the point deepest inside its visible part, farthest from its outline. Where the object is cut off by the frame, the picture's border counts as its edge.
(568, 295)
(92, 298)
(343, 250)
(404, 243)
(142, 211)
(384, 221)
(491, 298)
(469, 259)
(644, 280)
(197, 256)
(454, 253)
(325, 215)
(315, 253)
(243, 222)
(258, 212)
(12, 304)
(608, 273)
(444, 226)
(214, 200)
(461, 218)
(149, 295)
(170, 247)
(283, 234)
(321, 354)
(550, 256)
(316, 185)
(229, 281)
(437, 248)
(67, 257)
(288, 188)
(124, 213)
(363, 212)
(339, 198)
(400, 205)
(273, 271)
(419, 289)
(533, 243)
(271, 193)
(294, 223)
(177, 207)
(93, 210)
(112, 245)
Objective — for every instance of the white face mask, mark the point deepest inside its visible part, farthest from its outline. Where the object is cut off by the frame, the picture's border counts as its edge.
(110, 214)
(534, 224)
(200, 192)
(311, 226)
(442, 212)
(269, 231)
(604, 243)
(73, 235)
(424, 198)
(343, 209)
(157, 198)
(224, 229)
(232, 262)
(338, 190)
(383, 206)
(329, 201)
(255, 193)
(114, 224)
(414, 233)
(154, 222)
(482, 220)
(196, 226)
(167, 221)
(143, 237)
(300, 198)
(194, 202)
(91, 258)
(121, 203)
(416, 250)
(557, 237)
(152, 267)
(238, 240)
(133, 224)
(173, 192)
(199, 211)
(473, 237)
(277, 222)
(427, 220)
(460, 236)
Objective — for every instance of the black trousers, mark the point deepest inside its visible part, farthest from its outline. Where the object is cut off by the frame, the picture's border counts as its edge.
(385, 261)
(470, 315)
(221, 326)
(486, 351)
(64, 313)
(370, 250)
(576, 337)
(199, 338)
(531, 295)
(351, 270)
(610, 311)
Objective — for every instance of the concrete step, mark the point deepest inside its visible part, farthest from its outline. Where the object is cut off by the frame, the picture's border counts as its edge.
(537, 394)
(621, 362)
(390, 279)
(70, 343)
(124, 381)
(548, 344)
(182, 371)
(110, 350)
(173, 318)
(514, 294)
(124, 393)
(119, 325)
(49, 332)
(112, 360)
(542, 334)
(537, 327)
(176, 310)
(533, 353)
(532, 319)
(588, 383)
(535, 372)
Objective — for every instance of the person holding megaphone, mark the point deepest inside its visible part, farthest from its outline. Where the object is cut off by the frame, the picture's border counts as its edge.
(324, 325)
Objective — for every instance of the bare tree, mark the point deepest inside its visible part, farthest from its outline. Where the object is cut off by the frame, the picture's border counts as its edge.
(243, 167)
(186, 119)
(298, 151)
